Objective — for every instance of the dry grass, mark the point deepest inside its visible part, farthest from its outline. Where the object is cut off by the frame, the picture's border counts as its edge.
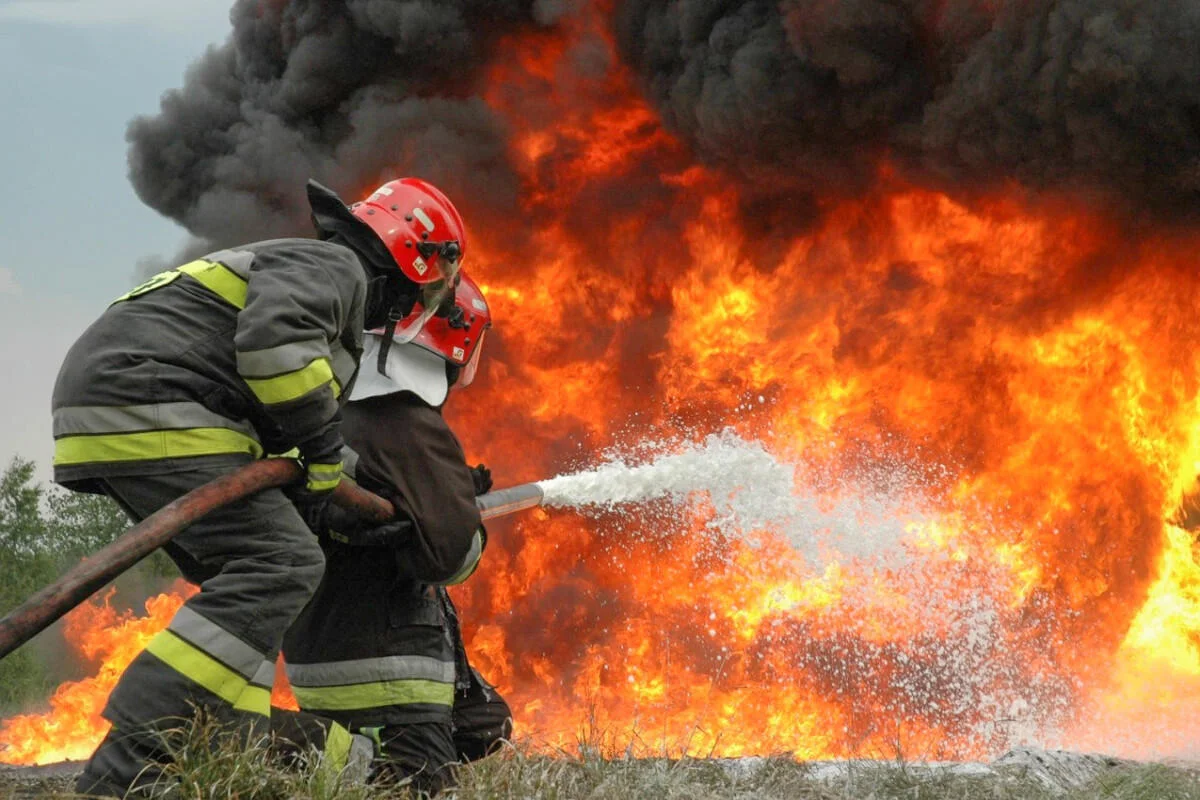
(209, 765)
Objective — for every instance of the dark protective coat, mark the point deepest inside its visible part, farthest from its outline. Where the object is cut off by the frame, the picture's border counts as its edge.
(197, 371)
(242, 352)
(378, 644)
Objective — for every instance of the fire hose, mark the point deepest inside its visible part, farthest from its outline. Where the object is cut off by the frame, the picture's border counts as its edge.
(80, 582)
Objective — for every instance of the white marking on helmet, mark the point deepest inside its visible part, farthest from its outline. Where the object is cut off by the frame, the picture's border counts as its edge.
(420, 266)
(459, 353)
(420, 214)
(479, 304)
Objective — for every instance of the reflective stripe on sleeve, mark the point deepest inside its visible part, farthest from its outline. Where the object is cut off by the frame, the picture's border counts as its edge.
(323, 477)
(280, 360)
(152, 445)
(204, 670)
(292, 385)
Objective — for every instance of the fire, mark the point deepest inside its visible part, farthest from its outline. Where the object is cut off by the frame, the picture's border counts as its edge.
(1010, 380)
(108, 638)
(1022, 371)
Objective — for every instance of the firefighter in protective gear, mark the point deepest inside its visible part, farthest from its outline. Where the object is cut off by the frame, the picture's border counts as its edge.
(200, 370)
(378, 648)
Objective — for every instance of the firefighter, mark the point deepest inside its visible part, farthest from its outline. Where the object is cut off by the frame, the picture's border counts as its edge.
(202, 369)
(378, 648)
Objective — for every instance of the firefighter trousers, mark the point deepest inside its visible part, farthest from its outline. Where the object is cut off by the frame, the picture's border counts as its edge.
(257, 564)
(424, 753)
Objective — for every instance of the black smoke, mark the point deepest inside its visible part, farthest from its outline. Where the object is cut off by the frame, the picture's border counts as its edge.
(795, 99)
(350, 92)
(1097, 97)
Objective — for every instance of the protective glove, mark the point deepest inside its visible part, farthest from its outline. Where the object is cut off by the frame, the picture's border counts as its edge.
(321, 458)
(347, 527)
(481, 476)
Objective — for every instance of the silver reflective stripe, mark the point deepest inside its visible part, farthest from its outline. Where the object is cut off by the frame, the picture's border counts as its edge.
(349, 461)
(371, 670)
(73, 420)
(238, 261)
(280, 360)
(470, 562)
(344, 364)
(216, 642)
(264, 675)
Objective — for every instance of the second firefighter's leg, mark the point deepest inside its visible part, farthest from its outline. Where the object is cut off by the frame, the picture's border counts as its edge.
(421, 752)
(298, 734)
(482, 720)
(257, 564)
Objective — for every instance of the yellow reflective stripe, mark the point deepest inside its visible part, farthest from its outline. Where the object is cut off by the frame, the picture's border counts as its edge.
(218, 279)
(374, 695)
(151, 445)
(155, 282)
(324, 477)
(199, 667)
(322, 486)
(291, 385)
(254, 699)
(337, 747)
(467, 571)
(470, 563)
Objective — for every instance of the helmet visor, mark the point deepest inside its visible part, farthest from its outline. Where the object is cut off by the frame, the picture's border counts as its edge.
(434, 299)
(467, 377)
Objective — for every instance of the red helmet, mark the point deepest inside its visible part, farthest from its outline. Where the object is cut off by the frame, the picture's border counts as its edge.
(457, 336)
(425, 234)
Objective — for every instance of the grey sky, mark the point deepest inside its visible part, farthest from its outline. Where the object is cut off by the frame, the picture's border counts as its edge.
(72, 74)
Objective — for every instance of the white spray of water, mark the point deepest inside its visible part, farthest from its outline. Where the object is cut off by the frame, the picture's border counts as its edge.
(749, 489)
(747, 485)
(865, 518)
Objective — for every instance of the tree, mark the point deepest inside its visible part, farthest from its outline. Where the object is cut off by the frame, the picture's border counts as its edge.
(42, 534)
(25, 565)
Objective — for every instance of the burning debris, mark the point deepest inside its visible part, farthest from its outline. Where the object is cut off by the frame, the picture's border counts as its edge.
(937, 252)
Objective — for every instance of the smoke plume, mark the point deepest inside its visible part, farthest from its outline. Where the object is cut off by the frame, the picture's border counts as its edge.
(349, 93)
(1094, 96)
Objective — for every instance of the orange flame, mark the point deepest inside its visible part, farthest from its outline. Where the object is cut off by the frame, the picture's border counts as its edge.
(110, 639)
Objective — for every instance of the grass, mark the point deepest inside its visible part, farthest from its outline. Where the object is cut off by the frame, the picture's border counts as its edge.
(209, 765)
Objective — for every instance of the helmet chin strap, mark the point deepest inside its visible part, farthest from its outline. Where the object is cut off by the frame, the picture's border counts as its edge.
(388, 333)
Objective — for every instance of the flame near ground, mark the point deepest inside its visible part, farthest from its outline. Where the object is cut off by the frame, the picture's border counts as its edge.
(1015, 374)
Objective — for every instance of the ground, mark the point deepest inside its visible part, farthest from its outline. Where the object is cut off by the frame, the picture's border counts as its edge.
(1019, 775)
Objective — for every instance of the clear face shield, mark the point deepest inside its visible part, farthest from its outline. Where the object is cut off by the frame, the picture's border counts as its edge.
(435, 298)
(467, 377)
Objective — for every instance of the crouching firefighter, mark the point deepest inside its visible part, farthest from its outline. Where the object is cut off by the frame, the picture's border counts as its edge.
(378, 648)
(201, 370)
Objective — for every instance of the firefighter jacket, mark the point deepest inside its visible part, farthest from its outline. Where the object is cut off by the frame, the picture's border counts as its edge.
(379, 644)
(241, 352)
